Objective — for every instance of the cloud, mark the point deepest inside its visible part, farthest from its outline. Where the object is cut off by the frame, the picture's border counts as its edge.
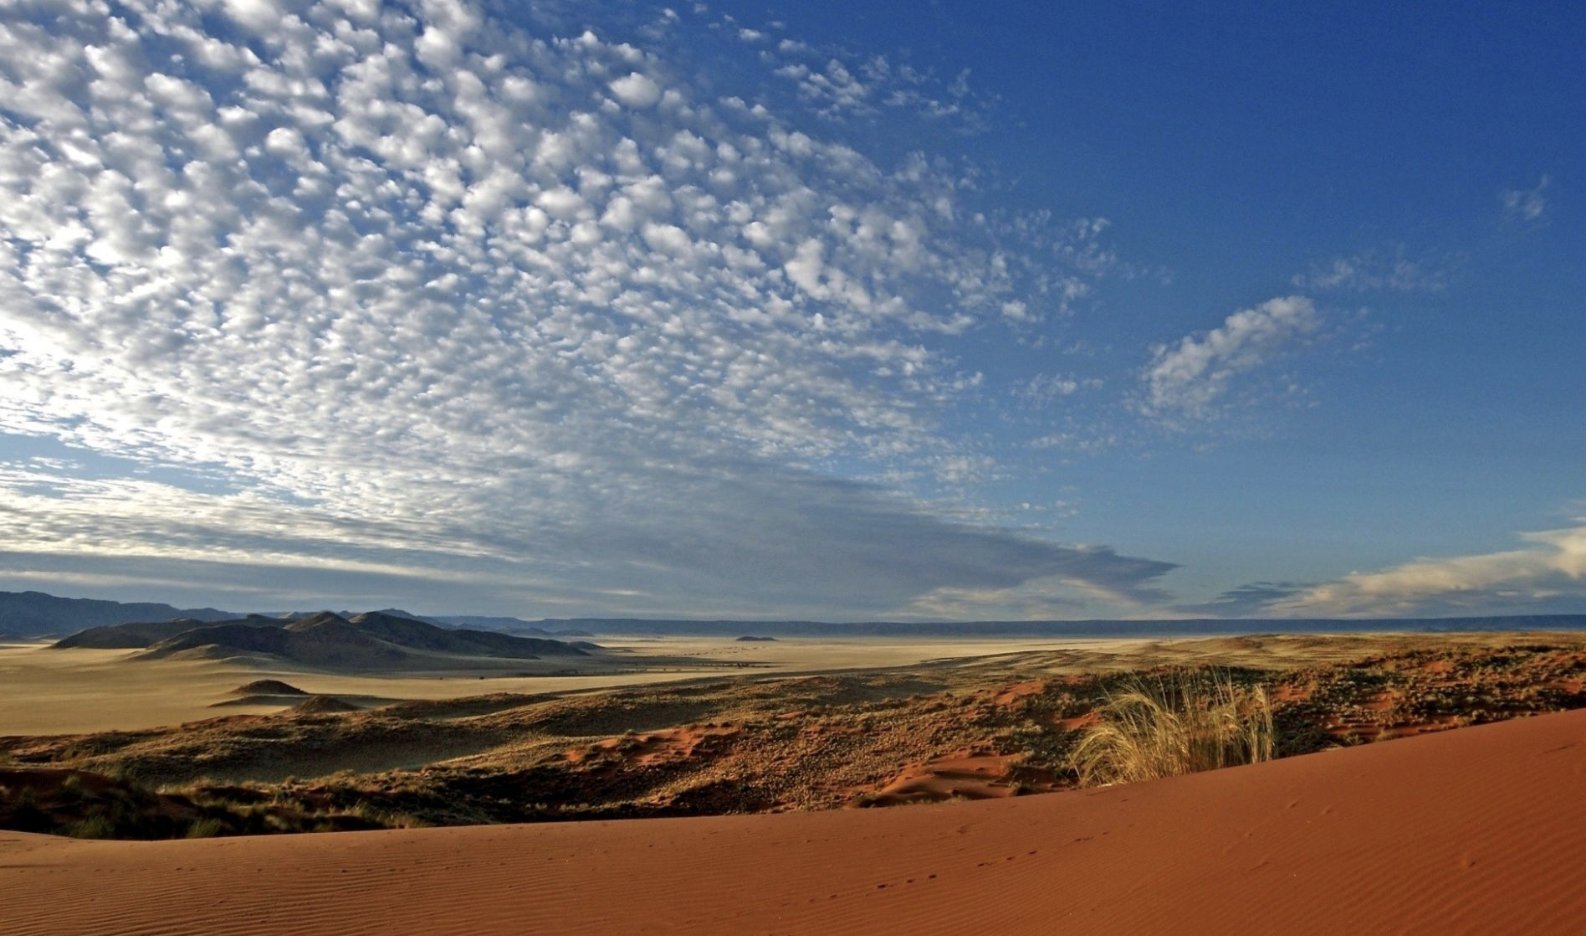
(1045, 389)
(735, 542)
(1525, 204)
(1184, 382)
(636, 90)
(1121, 583)
(841, 86)
(260, 16)
(1549, 576)
(515, 311)
(1377, 271)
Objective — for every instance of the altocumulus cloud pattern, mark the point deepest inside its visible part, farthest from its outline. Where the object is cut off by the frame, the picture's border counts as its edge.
(368, 292)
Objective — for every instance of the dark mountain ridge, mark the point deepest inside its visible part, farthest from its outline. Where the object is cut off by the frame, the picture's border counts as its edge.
(324, 639)
(138, 634)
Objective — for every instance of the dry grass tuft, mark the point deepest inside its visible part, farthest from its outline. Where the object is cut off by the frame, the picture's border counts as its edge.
(1183, 722)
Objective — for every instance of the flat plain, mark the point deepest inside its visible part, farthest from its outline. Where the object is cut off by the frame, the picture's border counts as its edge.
(49, 691)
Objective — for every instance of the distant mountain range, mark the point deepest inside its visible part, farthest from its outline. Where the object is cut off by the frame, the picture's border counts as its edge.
(362, 641)
(511, 625)
(35, 614)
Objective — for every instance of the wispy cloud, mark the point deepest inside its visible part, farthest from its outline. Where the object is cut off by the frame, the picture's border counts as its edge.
(1526, 204)
(515, 309)
(1187, 381)
(1390, 270)
(1045, 389)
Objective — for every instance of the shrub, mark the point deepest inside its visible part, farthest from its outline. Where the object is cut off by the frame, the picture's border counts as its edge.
(208, 827)
(1183, 722)
(97, 826)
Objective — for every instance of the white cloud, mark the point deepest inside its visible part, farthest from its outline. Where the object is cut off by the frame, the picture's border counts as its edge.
(258, 15)
(1185, 381)
(636, 90)
(430, 303)
(1548, 576)
(1525, 204)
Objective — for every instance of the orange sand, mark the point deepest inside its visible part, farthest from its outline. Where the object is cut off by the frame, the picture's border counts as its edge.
(1474, 830)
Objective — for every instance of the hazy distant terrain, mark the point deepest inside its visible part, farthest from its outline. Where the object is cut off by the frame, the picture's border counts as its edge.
(1203, 627)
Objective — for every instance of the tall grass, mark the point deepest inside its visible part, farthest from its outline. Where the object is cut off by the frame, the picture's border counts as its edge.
(1181, 722)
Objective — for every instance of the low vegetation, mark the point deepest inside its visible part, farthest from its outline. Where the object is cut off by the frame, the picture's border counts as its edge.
(1178, 722)
(99, 806)
(949, 729)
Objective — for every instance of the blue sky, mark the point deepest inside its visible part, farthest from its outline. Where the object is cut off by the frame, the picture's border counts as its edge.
(1051, 311)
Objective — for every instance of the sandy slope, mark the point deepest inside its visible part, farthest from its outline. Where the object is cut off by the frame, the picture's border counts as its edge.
(1478, 830)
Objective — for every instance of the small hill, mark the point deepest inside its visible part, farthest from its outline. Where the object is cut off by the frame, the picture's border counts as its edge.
(272, 692)
(268, 687)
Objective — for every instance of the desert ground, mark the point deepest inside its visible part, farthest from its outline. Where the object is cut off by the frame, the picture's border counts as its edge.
(1470, 831)
(48, 691)
(710, 785)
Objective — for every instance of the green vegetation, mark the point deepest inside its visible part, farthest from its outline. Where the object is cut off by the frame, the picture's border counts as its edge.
(1183, 722)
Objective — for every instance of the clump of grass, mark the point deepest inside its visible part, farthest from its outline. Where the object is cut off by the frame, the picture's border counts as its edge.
(95, 826)
(208, 827)
(1182, 722)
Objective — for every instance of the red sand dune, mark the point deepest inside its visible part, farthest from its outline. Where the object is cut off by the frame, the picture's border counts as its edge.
(1476, 830)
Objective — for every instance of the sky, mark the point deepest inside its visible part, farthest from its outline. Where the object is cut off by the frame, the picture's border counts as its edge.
(814, 310)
